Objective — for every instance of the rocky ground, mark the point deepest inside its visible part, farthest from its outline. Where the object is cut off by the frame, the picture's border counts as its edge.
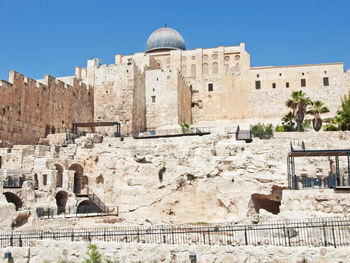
(211, 178)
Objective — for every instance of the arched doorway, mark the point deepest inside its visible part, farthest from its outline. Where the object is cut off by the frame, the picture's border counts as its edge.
(61, 201)
(59, 175)
(14, 199)
(80, 181)
(84, 207)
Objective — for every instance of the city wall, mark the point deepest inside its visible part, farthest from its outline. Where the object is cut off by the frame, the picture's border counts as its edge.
(30, 109)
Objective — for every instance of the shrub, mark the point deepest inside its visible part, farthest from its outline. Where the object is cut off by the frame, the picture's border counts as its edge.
(191, 177)
(330, 127)
(279, 128)
(93, 254)
(306, 125)
(261, 130)
(258, 130)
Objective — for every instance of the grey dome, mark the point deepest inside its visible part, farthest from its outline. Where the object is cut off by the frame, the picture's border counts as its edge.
(165, 38)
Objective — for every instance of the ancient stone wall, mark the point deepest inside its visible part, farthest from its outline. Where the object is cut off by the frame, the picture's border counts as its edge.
(119, 95)
(302, 204)
(184, 98)
(31, 109)
(54, 251)
(161, 98)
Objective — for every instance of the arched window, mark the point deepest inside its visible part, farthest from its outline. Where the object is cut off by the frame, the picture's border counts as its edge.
(205, 68)
(215, 68)
(193, 70)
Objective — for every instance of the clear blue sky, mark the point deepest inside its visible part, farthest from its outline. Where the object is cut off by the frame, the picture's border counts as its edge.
(52, 37)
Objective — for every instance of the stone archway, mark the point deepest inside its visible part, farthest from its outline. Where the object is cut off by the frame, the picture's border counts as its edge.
(59, 175)
(84, 207)
(80, 181)
(61, 201)
(14, 199)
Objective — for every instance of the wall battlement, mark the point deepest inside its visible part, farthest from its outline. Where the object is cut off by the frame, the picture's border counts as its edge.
(30, 109)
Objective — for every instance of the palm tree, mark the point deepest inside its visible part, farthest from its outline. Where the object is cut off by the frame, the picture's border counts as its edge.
(343, 117)
(298, 104)
(317, 107)
(289, 117)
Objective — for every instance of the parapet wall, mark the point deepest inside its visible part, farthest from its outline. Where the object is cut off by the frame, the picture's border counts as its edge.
(30, 109)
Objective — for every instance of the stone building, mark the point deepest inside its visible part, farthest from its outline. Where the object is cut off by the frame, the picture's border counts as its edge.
(161, 88)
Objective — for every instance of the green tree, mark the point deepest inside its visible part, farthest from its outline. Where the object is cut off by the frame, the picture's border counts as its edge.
(317, 108)
(343, 117)
(298, 103)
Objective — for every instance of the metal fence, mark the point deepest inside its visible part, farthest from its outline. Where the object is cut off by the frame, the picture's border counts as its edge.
(12, 182)
(75, 211)
(333, 232)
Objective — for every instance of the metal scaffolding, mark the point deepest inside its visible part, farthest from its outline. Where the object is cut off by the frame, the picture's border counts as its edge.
(335, 181)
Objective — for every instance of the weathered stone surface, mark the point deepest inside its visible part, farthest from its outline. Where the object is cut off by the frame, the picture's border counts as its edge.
(210, 178)
(51, 251)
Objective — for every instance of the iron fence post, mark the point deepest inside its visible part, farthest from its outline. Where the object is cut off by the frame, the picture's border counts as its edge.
(209, 236)
(324, 234)
(245, 236)
(334, 241)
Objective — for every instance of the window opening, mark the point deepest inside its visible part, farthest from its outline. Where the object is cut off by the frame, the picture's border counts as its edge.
(325, 81)
(257, 84)
(303, 82)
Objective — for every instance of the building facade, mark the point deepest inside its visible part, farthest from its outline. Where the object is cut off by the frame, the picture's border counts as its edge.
(163, 87)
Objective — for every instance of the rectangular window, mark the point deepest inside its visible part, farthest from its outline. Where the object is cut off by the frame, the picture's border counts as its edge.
(210, 87)
(325, 81)
(257, 84)
(303, 82)
(153, 99)
(44, 179)
(273, 85)
(287, 84)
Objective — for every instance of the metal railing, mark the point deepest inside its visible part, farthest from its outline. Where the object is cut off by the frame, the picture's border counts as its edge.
(96, 200)
(331, 181)
(74, 211)
(11, 182)
(333, 232)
